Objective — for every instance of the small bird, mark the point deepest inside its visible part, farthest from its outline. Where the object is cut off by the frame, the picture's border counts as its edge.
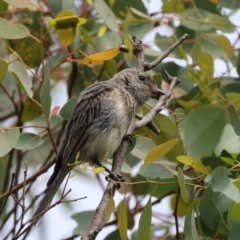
(99, 122)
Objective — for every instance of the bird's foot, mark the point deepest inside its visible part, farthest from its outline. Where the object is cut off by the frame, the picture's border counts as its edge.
(129, 138)
(117, 178)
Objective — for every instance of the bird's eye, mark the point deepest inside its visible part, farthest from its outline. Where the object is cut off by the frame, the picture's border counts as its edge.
(142, 78)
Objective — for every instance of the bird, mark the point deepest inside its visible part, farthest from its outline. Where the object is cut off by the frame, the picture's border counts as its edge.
(98, 123)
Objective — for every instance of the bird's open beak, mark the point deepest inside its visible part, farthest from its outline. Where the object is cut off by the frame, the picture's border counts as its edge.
(156, 93)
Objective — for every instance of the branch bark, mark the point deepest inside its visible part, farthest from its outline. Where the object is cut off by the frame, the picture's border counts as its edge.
(142, 64)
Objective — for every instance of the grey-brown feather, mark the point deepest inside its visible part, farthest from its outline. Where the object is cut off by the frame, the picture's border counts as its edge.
(99, 121)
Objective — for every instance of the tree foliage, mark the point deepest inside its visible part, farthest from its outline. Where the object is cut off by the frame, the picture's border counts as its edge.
(195, 160)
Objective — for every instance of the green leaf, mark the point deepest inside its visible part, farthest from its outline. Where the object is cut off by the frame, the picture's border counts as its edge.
(221, 183)
(156, 170)
(210, 214)
(234, 210)
(109, 209)
(169, 131)
(7, 140)
(3, 69)
(234, 233)
(224, 43)
(21, 75)
(69, 4)
(227, 160)
(31, 110)
(234, 118)
(83, 220)
(229, 141)
(113, 235)
(206, 64)
(158, 78)
(172, 6)
(27, 141)
(189, 224)
(202, 129)
(145, 222)
(142, 147)
(106, 14)
(159, 151)
(19, 3)
(191, 19)
(45, 96)
(67, 109)
(122, 220)
(205, 97)
(234, 98)
(222, 201)
(120, 8)
(196, 52)
(126, 168)
(110, 67)
(181, 182)
(208, 94)
(220, 23)
(198, 77)
(12, 31)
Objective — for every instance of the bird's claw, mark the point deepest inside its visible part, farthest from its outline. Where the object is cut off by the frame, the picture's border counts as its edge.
(117, 178)
(129, 138)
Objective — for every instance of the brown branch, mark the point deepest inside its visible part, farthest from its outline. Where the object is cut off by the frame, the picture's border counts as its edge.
(8, 193)
(138, 50)
(151, 125)
(148, 66)
(30, 179)
(157, 108)
(175, 214)
(52, 138)
(32, 221)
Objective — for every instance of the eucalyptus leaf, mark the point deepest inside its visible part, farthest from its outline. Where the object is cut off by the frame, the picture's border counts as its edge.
(7, 140)
(27, 141)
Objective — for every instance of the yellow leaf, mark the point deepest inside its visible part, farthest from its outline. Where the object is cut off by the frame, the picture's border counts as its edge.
(90, 2)
(194, 163)
(159, 151)
(89, 61)
(85, 166)
(102, 30)
(234, 99)
(65, 19)
(122, 220)
(98, 58)
(65, 25)
(128, 43)
(77, 156)
(109, 209)
(98, 169)
(225, 45)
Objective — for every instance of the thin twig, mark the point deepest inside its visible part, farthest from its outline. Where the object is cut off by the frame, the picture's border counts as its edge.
(30, 179)
(151, 125)
(157, 108)
(8, 193)
(176, 215)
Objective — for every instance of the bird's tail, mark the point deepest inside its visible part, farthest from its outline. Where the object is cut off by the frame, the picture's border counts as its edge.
(50, 192)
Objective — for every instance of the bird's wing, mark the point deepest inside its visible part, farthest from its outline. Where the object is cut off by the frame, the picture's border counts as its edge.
(87, 109)
(85, 112)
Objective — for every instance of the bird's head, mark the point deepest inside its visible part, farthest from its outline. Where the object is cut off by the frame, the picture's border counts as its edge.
(140, 84)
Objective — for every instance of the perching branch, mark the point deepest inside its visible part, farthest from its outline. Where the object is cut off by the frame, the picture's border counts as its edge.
(118, 157)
